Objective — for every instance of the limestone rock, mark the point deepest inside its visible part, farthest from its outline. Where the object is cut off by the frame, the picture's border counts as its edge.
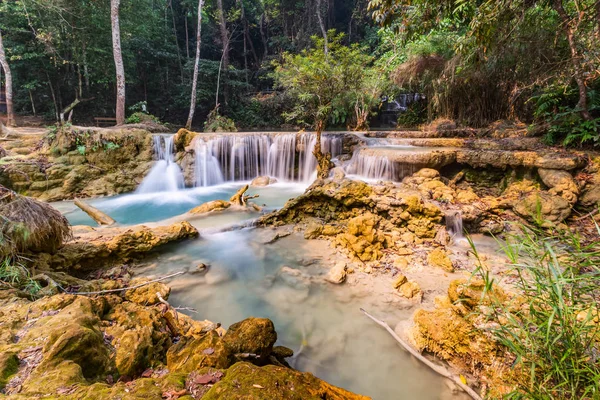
(362, 238)
(410, 290)
(190, 354)
(262, 181)
(183, 138)
(101, 247)
(438, 258)
(248, 381)
(252, 335)
(543, 208)
(313, 230)
(214, 205)
(399, 281)
(337, 274)
(338, 173)
(146, 295)
(472, 292)
(561, 183)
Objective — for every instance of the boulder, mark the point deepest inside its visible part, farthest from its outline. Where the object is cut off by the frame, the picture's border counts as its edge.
(561, 183)
(252, 335)
(438, 258)
(337, 274)
(183, 138)
(191, 354)
(543, 208)
(262, 181)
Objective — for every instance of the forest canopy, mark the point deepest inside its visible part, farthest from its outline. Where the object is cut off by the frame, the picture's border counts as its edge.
(475, 62)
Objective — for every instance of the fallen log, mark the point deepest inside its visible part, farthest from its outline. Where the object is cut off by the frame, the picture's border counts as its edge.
(97, 215)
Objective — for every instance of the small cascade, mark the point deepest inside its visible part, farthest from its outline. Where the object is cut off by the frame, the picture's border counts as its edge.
(372, 167)
(165, 175)
(379, 167)
(287, 157)
(454, 224)
(208, 171)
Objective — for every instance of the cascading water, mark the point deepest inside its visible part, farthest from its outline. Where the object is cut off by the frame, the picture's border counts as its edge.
(287, 157)
(165, 175)
(208, 171)
(454, 224)
(379, 167)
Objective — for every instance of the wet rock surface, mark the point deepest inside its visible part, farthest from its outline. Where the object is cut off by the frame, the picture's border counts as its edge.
(78, 161)
(108, 346)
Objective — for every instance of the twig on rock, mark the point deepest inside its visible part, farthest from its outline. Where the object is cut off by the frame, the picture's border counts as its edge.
(172, 321)
(131, 287)
(437, 368)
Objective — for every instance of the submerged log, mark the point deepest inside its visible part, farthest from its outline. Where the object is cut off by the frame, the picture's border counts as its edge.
(238, 198)
(97, 215)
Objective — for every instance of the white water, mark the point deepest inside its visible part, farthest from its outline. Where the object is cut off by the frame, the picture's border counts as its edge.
(287, 157)
(165, 175)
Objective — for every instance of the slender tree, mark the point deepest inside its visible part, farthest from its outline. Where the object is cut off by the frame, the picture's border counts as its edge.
(116, 40)
(323, 29)
(188, 124)
(8, 78)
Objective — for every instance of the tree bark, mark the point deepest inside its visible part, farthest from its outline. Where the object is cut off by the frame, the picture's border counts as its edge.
(224, 33)
(10, 112)
(263, 36)
(323, 29)
(120, 70)
(568, 30)
(225, 37)
(97, 215)
(188, 124)
(324, 163)
(176, 41)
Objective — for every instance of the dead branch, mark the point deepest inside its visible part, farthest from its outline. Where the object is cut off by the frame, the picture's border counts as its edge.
(238, 197)
(131, 287)
(437, 368)
(97, 215)
(170, 319)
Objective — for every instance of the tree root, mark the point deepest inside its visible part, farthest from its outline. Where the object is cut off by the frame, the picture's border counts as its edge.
(437, 368)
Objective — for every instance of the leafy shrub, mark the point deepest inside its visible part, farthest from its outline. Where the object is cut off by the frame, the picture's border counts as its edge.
(565, 123)
(142, 118)
(216, 122)
(415, 115)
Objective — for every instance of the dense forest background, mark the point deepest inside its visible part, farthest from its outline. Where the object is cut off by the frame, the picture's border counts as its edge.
(475, 62)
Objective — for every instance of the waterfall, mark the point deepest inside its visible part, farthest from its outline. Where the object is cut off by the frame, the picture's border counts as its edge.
(165, 175)
(208, 171)
(287, 157)
(379, 167)
(454, 224)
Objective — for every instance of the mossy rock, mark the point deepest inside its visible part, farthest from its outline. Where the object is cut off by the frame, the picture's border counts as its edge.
(247, 381)
(190, 354)
(9, 364)
(253, 336)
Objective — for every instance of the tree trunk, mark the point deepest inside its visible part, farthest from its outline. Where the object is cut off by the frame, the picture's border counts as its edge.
(176, 41)
(323, 29)
(224, 33)
(10, 112)
(263, 36)
(324, 163)
(187, 36)
(116, 41)
(188, 124)
(225, 42)
(567, 28)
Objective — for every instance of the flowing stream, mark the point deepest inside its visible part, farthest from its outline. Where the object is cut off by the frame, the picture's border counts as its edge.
(321, 322)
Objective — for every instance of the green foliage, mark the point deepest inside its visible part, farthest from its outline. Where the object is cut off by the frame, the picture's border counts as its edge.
(17, 276)
(325, 86)
(415, 115)
(219, 123)
(554, 107)
(554, 334)
(142, 118)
